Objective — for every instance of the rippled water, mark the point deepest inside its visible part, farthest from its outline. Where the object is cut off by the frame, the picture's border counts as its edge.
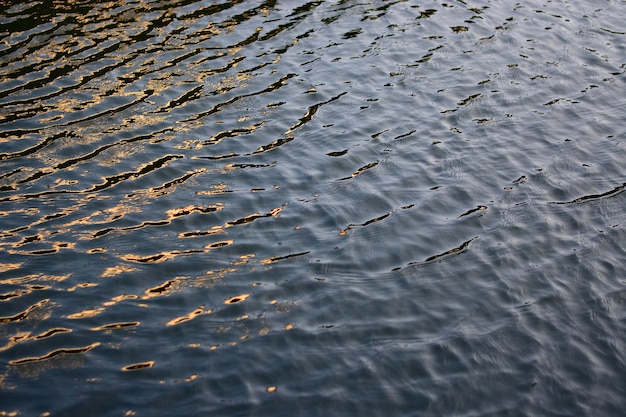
(312, 208)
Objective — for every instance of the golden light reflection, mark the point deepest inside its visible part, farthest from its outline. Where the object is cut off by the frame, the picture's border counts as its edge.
(31, 211)
(115, 326)
(233, 50)
(64, 182)
(273, 259)
(162, 289)
(63, 351)
(237, 81)
(220, 136)
(170, 186)
(51, 332)
(140, 365)
(236, 299)
(274, 212)
(197, 312)
(214, 230)
(243, 259)
(268, 261)
(34, 311)
(219, 244)
(9, 267)
(210, 277)
(159, 257)
(30, 278)
(120, 298)
(167, 255)
(55, 247)
(116, 270)
(220, 188)
(67, 105)
(30, 239)
(183, 211)
(105, 216)
(91, 312)
(18, 293)
(243, 220)
(141, 120)
(82, 285)
(15, 339)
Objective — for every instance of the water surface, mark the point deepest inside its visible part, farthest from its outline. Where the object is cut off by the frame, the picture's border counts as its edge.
(317, 208)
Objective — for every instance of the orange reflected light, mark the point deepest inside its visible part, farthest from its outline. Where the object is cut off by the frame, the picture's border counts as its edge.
(236, 299)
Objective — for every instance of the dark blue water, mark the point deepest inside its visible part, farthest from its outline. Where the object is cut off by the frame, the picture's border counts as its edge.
(325, 208)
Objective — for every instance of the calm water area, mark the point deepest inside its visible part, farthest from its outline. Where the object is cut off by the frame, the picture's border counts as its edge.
(314, 208)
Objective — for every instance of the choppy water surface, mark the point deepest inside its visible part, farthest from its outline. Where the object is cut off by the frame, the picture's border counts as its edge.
(312, 208)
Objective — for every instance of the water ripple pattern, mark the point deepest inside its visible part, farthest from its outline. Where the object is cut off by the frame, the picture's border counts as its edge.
(400, 207)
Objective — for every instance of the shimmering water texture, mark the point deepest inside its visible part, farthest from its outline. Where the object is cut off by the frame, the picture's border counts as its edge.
(324, 208)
